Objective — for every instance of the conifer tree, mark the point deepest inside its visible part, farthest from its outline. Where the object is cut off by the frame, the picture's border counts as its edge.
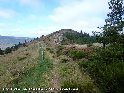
(114, 23)
(1, 52)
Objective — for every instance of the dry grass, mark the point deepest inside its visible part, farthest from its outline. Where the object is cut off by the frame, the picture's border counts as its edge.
(15, 63)
(69, 71)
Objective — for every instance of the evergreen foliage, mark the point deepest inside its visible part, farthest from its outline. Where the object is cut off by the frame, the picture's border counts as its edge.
(78, 38)
(106, 65)
(106, 68)
(1, 52)
(77, 54)
(112, 30)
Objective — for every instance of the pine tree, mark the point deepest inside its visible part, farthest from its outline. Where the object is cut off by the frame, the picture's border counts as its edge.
(81, 32)
(25, 41)
(1, 52)
(16, 47)
(115, 16)
(114, 23)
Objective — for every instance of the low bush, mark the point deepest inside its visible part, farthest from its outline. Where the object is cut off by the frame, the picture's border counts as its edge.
(107, 68)
(64, 60)
(77, 87)
(83, 64)
(50, 50)
(77, 54)
(47, 48)
(8, 50)
(1, 52)
(59, 50)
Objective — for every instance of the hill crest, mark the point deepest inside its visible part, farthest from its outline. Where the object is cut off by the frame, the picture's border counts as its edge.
(57, 37)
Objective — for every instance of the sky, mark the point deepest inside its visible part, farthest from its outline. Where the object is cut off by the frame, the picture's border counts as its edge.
(34, 18)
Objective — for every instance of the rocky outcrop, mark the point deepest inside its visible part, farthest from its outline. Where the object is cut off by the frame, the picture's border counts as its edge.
(57, 37)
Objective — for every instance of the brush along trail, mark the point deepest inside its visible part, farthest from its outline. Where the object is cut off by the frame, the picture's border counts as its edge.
(52, 75)
(67, 75)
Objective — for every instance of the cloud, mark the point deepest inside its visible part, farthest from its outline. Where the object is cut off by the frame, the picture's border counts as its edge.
(73, 14)
(6, 13)
(2, 25)
(18, 30)
(80, 14)
(32, 3)
(32, 17)
(39, 31)
(35, 17)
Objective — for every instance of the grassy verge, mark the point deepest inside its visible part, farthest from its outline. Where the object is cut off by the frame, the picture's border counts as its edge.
(71, 77)
(35, 77)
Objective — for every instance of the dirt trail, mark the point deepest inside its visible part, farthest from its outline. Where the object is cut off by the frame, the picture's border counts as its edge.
(54, 72)
(68, 72)
(55, 75)
(56, 83)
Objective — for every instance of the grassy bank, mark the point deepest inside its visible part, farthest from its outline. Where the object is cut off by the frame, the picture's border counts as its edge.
(35, 77)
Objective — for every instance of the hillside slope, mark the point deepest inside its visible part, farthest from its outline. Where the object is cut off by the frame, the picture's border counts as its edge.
(38, 66)
(15, 63)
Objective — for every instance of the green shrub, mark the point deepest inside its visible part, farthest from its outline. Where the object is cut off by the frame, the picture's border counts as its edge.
(50, 50)
(77, 38)
(81, 87)
(83, 64)
(1, 52)
(59, 50)
(8, 50)
(64, 60)
(77, 54)
(107, 68)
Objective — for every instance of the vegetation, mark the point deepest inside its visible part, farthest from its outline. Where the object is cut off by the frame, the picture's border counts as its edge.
(8, 50)
(50, 50)
(59, 50)
(78, 38)
(16, 47)
(33, 77)
(106, 65)
(13, 65)
(77, 54)
(114, 24)
(1, 52)
(64, 60)
(73, 67)
(71, 77)
(77, 87)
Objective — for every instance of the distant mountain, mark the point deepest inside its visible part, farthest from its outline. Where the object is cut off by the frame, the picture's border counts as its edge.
(8, 41)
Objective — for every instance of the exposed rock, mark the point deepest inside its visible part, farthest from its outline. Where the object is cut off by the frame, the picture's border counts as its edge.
(57, 37)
